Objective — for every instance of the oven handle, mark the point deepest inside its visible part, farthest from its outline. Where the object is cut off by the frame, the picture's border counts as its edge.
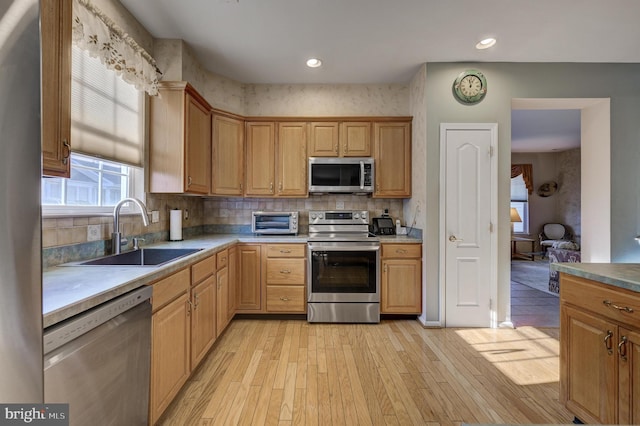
(341, 247)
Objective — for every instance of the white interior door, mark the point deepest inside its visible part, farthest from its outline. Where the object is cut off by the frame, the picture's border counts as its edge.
(469, 192)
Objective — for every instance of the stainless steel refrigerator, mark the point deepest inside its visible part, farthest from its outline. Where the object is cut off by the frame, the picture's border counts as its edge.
(20, 227)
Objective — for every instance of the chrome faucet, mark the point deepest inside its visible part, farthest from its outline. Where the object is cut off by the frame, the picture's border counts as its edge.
(116, 237)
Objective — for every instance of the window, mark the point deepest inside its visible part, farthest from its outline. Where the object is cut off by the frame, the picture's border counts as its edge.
(107, 139)
(520, 200)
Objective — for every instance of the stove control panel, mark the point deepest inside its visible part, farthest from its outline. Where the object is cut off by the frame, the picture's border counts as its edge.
(338, 217)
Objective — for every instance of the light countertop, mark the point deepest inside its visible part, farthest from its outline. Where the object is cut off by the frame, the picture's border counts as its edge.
(70, 290)
(623, 275)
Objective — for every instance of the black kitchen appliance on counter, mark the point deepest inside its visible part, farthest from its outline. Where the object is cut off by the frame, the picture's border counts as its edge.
(383, 226)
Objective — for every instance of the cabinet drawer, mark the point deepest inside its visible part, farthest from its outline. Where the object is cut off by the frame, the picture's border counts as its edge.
(401, 250)
(203, 269)
(285, 298)
(286, 250)
(169, 288)
(600, 299)
(222, 258)
(285, 271)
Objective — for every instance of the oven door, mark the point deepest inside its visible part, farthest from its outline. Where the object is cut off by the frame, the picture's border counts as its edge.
(344, 272)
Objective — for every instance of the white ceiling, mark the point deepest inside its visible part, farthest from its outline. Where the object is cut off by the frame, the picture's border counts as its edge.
(545, 130)
(385, 41)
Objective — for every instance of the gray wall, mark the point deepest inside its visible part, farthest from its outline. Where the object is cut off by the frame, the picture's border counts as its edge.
(506, 81)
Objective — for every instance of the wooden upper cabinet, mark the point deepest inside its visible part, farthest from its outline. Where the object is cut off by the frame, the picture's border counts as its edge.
(179, 140)
(55, 26)
(260, 159)
(392, 155)
(355, 139)
(228, 156)
(323, 139)
(344, 139)
(292, 160)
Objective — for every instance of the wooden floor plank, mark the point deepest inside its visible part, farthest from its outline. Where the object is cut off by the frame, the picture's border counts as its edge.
(284, 372)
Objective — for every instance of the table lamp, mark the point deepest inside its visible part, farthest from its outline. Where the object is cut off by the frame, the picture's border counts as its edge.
(515, 217)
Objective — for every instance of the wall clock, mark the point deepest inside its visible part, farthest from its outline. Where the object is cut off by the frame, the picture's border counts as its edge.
(470, 87)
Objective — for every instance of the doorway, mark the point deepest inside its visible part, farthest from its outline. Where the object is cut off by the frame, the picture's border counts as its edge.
(594, 199)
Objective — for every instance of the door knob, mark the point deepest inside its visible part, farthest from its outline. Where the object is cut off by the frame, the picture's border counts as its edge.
(453, 238)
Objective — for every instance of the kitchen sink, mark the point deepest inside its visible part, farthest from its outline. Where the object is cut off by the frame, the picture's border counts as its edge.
(141, 257)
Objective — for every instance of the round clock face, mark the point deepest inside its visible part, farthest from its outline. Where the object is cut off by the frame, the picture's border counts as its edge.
(470, 87)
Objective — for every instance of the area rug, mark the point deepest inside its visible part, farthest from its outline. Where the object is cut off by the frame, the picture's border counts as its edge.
(532, 274)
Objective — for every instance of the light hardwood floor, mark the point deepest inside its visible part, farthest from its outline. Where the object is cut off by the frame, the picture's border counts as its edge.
(291, 372)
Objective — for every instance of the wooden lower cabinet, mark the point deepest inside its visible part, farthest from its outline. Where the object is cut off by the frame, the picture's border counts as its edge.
(599, 351)
(248, 292)
(233, 280)
(284, 278)
(401, 279)
(203, 324)
(170, 341)
(222, 289)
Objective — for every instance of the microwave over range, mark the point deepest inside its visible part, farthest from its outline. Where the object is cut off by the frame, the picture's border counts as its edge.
(345, 175)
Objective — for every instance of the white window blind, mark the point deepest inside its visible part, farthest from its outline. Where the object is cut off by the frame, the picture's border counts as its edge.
(520, 200)
(519, 190)
(106, 119)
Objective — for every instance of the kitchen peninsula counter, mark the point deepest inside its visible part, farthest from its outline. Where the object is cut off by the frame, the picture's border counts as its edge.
(622, 275)
(71, 290)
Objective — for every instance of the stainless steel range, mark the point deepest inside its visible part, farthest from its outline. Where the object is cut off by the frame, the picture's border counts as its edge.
(344, 265)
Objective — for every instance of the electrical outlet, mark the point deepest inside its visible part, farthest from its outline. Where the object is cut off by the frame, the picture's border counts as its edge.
(93, 232)
(186, 214)
(155, 216)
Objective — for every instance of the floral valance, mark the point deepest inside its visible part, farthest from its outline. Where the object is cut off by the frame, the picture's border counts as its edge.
(526, 170)
(97, 33)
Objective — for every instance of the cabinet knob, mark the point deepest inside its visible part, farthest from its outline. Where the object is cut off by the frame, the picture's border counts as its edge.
(346, 149)
(280, 187)
(271, 187)
(401, 251)
(285, 271)
(284, 298)
(285, 251)
(189, 181)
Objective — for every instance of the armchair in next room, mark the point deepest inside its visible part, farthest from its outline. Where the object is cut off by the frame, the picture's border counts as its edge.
(556, 235)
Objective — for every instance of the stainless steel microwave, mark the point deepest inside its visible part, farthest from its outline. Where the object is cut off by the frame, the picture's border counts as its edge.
(350, 175)
(272, 223)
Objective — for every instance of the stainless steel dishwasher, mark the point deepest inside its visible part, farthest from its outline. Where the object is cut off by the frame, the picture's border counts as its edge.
(99, 362)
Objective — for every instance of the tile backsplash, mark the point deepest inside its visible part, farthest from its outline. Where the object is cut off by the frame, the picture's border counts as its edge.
(65, 239)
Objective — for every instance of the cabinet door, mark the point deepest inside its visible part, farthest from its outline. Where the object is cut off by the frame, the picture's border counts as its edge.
(233, 281)
(260, 160)
(355, 139)
(55, 27)
(323, 139)
(401, 286)
(198, 147)
(292, 160)
(228, 156)
(588, 374)
(222, 311)
(248, 289)
(629, 373)
(392, 154)
(203, 328)
(170, 337)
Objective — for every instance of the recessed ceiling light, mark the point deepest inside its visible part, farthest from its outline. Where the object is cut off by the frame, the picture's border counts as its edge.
(314, 63)
(486, 43)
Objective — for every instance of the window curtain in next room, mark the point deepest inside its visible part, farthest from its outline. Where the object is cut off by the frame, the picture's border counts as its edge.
(526, 170)
(110, 73)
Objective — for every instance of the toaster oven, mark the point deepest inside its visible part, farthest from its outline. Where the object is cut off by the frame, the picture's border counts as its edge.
(273, 223)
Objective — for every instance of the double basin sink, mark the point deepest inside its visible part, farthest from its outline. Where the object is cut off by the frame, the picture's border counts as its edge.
(140, 257)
